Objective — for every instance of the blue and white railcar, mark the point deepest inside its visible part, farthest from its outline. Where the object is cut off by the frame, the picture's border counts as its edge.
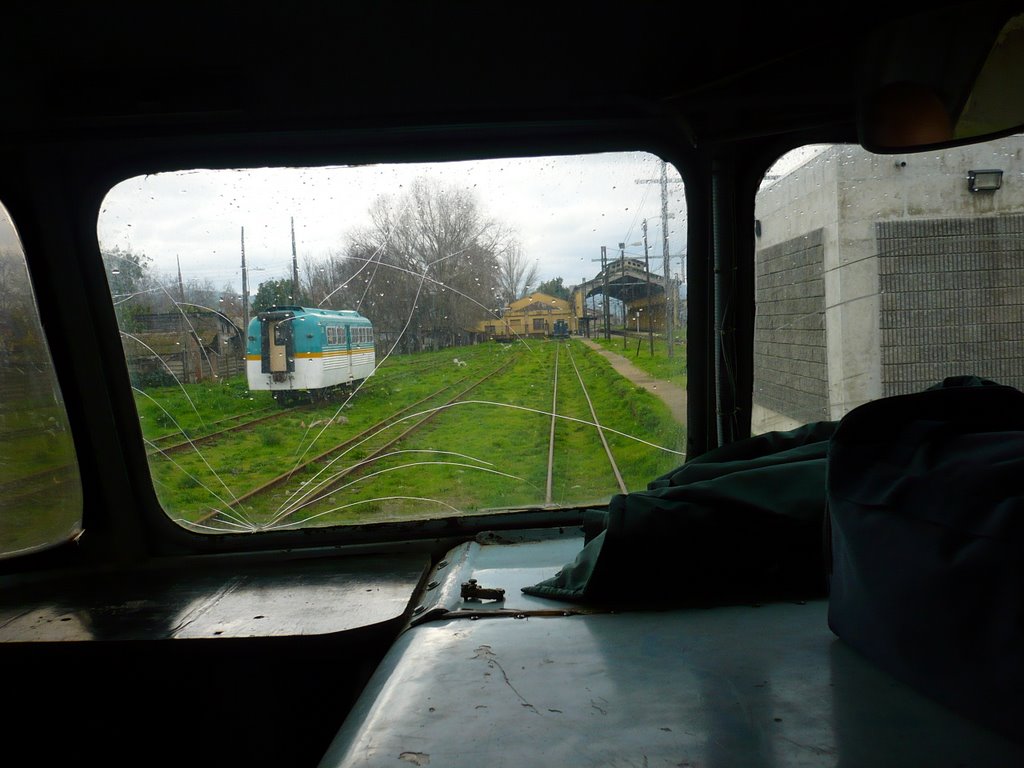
(293, 350)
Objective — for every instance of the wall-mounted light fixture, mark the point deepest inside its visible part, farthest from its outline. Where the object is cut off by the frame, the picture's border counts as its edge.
(984, 181)
(757, 227)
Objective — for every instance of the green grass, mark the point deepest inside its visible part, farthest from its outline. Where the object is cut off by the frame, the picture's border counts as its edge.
(42, 517)
(494, 451)
(41, 501)
(193, 408)
(659, 365)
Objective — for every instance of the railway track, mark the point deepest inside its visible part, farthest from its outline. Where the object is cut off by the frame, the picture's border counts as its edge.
(43, 482)
(157, 440)
(306, 498)
(192, 442)
(162, 446)
(550, 443)
(555, 418)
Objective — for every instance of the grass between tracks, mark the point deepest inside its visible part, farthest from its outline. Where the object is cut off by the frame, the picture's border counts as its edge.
(486, 454)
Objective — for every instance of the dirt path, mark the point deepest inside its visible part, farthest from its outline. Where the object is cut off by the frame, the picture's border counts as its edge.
(673, 395)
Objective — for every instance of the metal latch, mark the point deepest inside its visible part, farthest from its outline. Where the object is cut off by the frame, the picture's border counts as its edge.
(473, 591)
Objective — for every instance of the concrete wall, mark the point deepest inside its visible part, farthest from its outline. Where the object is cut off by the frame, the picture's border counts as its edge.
(788, 210)
(952, 301)
(922, 278)
(789, 348)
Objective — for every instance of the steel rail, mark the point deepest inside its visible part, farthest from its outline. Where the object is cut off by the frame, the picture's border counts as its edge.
(347, 443)
(326, 488)
(201, 439)
(234, 417)
(597, 425)
(278, 412)
(551, 438)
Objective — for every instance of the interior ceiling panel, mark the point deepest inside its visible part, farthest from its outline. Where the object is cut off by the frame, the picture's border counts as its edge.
(230, 65)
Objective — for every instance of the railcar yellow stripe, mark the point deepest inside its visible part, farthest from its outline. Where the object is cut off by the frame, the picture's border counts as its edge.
(330, 353)
(333, 353)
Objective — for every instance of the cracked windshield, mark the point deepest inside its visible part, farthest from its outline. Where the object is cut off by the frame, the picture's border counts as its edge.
(351, 345)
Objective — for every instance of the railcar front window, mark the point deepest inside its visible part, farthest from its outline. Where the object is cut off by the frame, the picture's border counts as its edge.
(40, 488)
(881, 275)
(349, 345)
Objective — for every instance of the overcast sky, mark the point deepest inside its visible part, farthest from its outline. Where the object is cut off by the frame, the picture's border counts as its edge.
(562, 210)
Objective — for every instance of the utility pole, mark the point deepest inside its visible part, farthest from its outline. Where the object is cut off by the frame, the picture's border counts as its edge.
(647, 273)
(245, 289)
(295, 268)
(682, 280)
(604, 292)
(670, 320)
(181, 285)
(181, 326)
(583, 309)
(622, 272)
(663, 181)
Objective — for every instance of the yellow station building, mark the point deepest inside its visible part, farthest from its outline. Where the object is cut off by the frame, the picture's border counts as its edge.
(534, 316)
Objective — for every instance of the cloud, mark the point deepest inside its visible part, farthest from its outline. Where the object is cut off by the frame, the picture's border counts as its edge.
(563, 209)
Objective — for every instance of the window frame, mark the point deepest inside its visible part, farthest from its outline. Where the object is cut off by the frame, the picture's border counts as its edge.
(121, 509)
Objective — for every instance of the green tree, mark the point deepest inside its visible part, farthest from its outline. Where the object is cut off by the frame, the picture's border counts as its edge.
(132, 285)
(554, 287)
(273, 293)
(127, 272)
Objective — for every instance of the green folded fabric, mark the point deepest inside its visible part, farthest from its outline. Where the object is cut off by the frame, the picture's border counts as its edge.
(740, 523)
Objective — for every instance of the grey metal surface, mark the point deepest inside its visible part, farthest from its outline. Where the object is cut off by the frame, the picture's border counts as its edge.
(508, 563)
(730, 686)
(283, 599)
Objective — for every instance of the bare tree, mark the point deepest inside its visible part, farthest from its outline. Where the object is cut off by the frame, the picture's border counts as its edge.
(231, 302)
(515, 273)
(426, 269)
(324, 281)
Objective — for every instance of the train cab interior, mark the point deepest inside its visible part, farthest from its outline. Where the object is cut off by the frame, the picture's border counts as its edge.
(824, 570)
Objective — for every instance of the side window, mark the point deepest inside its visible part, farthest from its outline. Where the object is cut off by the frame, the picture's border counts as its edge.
(882, 275)
(40, 488)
